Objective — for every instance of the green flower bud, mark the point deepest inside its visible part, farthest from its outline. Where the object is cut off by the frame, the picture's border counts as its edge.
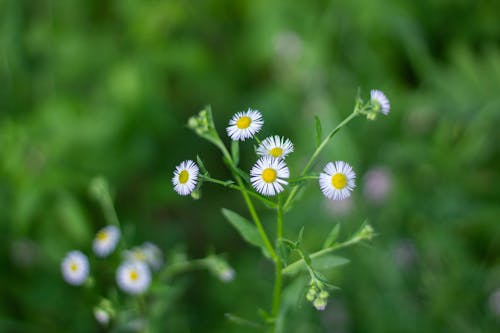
(323, 294)
(319, 304)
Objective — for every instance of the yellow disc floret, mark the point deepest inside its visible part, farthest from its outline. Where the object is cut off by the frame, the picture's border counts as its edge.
(243, 122)
(183, 176)
(73, 267)
(269, 175)
(134, 275)
(276, 152)
(102, 235)
(339, 181)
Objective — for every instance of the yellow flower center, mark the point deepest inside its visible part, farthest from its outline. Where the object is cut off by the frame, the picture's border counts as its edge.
(73, 267)
(339, 181)
(139, 255)
(102, 235)
(183, 177)
(134, 275)
(243, 122)
(269, 175)
(276, 152)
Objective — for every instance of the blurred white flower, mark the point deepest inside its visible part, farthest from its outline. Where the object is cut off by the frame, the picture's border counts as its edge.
(288, 46)
(377, 185)
(133, 277)
(24, 253)
(154, 256)
(339, 208)
(337, 180)
(244, 125)
(494, 302)
(75, 268)
(404, 254)
(185, 177)
(101, 316)
(147, 253)
(106, 241)
(268, 175)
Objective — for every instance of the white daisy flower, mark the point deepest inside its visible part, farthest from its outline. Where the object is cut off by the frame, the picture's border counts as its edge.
(154, 256)
(275, 146)
(379, 98)
(244, 125)
(268, 175)
(133, 277)
(106, 241)
(185, 177)
(75, 268)
(147, 253)
(337, 180)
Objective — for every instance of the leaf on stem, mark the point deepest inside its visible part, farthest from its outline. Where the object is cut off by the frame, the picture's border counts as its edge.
(284, 249)
(325, 262)
(246, 229)
(332, 236)
(235, 152)
(319, 131)
(243, 321)
(201, 165)
(299, 239)
(328, 262)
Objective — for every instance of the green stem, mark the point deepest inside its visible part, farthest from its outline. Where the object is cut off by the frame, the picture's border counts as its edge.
(181, 267)
(293, 267)
(238, 188)
(109, 209)
(143, 312)
(278, 281)
(248, 202)
(317, 152)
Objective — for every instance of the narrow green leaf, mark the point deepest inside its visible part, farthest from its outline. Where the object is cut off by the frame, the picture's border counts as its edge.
(332, 236)
(292, 245)
(322, 263)
(319, 131)
(328, 262)
(201, 165)
(243, 321)
(235, 152)
(246, 229)
(283, 251)
(299, 239)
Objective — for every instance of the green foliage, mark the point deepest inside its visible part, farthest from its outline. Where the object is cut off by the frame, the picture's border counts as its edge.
(103, 87)
(246, 229)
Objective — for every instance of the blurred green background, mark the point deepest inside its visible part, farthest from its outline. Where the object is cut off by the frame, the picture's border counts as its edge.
(105, 88)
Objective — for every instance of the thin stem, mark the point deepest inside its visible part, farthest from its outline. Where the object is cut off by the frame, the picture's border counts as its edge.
(317, 152)
(248, 202)
(352, 241)
(181, 267)
(238, 188)
(144, 312)
(278, 281)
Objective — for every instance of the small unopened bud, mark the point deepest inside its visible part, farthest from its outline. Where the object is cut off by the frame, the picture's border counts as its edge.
(101, 316)
(196, 194)
(367, 232)
(193, 123)
(311, 295)
(323, 294)
(227, 275)
(319, 304)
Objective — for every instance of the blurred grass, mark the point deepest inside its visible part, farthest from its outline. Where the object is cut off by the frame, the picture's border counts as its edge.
(92, 87)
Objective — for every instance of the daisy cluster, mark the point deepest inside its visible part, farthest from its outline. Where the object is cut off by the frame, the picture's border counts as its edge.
(270, 174)
(133, 275)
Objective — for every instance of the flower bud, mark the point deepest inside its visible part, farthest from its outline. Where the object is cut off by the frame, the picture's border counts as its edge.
(319, 304)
